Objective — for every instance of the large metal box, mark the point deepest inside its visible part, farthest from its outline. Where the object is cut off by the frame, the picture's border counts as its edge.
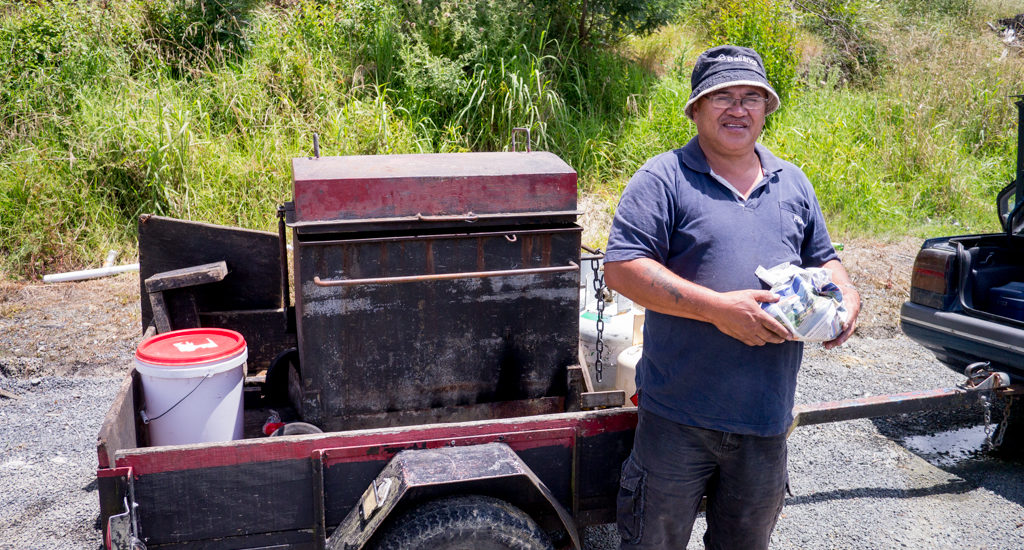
(434, 308)
(417, 192)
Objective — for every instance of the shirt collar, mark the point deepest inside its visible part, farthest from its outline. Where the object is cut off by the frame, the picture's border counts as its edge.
(693, 157)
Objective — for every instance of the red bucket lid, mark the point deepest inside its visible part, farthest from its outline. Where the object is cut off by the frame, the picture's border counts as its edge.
(190, 346)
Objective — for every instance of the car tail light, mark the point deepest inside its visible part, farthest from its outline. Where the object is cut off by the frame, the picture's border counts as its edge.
(932, 283)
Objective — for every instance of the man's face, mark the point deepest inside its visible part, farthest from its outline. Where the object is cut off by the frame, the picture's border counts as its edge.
(733, 129)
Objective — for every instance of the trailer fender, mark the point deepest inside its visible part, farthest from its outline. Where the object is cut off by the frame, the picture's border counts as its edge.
(491, 469)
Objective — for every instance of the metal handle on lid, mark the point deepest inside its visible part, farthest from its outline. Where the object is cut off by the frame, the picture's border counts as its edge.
(516, 131)
(444, 276)
(468, 217)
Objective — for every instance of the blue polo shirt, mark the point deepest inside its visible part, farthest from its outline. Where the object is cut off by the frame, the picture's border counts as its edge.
(677, 213)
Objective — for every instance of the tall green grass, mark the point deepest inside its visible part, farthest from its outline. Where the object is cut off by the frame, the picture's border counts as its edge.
(109, 110)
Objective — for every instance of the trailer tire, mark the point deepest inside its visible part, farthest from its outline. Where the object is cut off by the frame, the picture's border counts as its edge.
(469, 522)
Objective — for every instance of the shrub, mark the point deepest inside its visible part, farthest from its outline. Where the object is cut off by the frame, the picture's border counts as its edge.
(605, 22)
(858, 57)
(767, 26)
(191, 35)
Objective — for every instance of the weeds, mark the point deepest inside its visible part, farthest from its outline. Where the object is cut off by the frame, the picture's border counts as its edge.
(194, 109)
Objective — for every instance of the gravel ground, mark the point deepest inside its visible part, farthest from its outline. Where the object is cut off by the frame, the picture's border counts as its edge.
(856, 485)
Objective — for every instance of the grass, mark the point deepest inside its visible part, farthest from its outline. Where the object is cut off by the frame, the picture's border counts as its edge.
(96, 128)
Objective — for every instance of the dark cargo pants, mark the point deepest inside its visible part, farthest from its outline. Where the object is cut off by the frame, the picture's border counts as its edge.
(672, 466)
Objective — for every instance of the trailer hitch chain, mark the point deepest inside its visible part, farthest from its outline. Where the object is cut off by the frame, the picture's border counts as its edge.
(981, 378)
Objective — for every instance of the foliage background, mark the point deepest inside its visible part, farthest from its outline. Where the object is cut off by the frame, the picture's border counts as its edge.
(899, 112)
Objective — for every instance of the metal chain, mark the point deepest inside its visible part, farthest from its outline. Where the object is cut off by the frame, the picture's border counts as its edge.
(599, 288)
(1003, 424)
(986, 400)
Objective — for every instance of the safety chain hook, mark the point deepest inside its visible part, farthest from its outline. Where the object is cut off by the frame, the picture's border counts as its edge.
(599, 291)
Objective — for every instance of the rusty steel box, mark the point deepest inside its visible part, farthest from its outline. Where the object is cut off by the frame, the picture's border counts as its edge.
(343, 194)
(434, 287)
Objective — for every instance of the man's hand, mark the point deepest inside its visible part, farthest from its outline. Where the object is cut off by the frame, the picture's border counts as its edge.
(851, 300)
(740, 315)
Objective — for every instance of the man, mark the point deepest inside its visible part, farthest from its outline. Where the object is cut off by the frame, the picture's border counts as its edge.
(718, 374)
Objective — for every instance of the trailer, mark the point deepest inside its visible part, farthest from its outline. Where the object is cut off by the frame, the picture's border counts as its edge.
(430, 353)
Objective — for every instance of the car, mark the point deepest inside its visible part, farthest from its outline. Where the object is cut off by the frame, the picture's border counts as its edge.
(967, 293)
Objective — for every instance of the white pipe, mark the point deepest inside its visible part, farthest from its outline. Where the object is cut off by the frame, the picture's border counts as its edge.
(89, 273)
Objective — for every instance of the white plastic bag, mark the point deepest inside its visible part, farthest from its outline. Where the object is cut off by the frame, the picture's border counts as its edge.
(810, 305)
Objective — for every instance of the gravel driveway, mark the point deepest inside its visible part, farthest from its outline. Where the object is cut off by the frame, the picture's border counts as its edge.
(866, 484)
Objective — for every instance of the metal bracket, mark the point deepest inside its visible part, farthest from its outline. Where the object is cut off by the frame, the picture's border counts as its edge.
(516, 131)
(979, 377)
(123, 529)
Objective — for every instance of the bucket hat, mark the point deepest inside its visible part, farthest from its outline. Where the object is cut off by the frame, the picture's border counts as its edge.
(724, 66)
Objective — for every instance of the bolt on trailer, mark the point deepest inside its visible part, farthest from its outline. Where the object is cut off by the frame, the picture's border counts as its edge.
(412, 357)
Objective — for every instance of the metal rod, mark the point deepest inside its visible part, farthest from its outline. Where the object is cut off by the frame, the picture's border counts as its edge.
(885, 405)
(282, 240)
(445, 276)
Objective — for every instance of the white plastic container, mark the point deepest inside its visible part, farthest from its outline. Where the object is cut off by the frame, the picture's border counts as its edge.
(192, 385)
(617, 336)
(625, 373)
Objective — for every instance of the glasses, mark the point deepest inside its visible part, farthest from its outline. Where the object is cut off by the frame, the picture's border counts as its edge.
(750, 103)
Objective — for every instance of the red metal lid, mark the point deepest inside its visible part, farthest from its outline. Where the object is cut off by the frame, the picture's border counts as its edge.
(190, 346)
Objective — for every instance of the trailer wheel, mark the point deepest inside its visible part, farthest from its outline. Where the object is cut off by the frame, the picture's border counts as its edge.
(463, 522)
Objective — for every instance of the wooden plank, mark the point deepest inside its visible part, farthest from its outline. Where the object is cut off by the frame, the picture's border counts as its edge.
(574, 380)
(588, 382)
(253, 260)
(597, 399)
(187, 276)
(118, 429)
(159, 316)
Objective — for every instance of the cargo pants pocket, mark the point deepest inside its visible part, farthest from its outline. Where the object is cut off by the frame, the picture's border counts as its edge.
(630, 502)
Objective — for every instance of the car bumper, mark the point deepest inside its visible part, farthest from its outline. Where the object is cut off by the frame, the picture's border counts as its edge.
(957, 339)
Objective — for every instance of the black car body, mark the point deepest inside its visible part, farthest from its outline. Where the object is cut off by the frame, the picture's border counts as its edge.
(967, 292)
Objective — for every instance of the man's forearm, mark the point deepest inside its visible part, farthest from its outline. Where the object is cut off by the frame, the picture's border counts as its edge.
(654, 286)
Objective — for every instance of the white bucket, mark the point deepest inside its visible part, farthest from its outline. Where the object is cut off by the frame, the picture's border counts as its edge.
(195, 395)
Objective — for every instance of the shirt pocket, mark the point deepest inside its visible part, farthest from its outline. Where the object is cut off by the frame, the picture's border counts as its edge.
(792, 223)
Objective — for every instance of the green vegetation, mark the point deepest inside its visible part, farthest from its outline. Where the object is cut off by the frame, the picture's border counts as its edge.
(899, 112)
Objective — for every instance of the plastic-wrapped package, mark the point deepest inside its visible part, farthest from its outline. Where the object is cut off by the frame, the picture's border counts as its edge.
(810, 305)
